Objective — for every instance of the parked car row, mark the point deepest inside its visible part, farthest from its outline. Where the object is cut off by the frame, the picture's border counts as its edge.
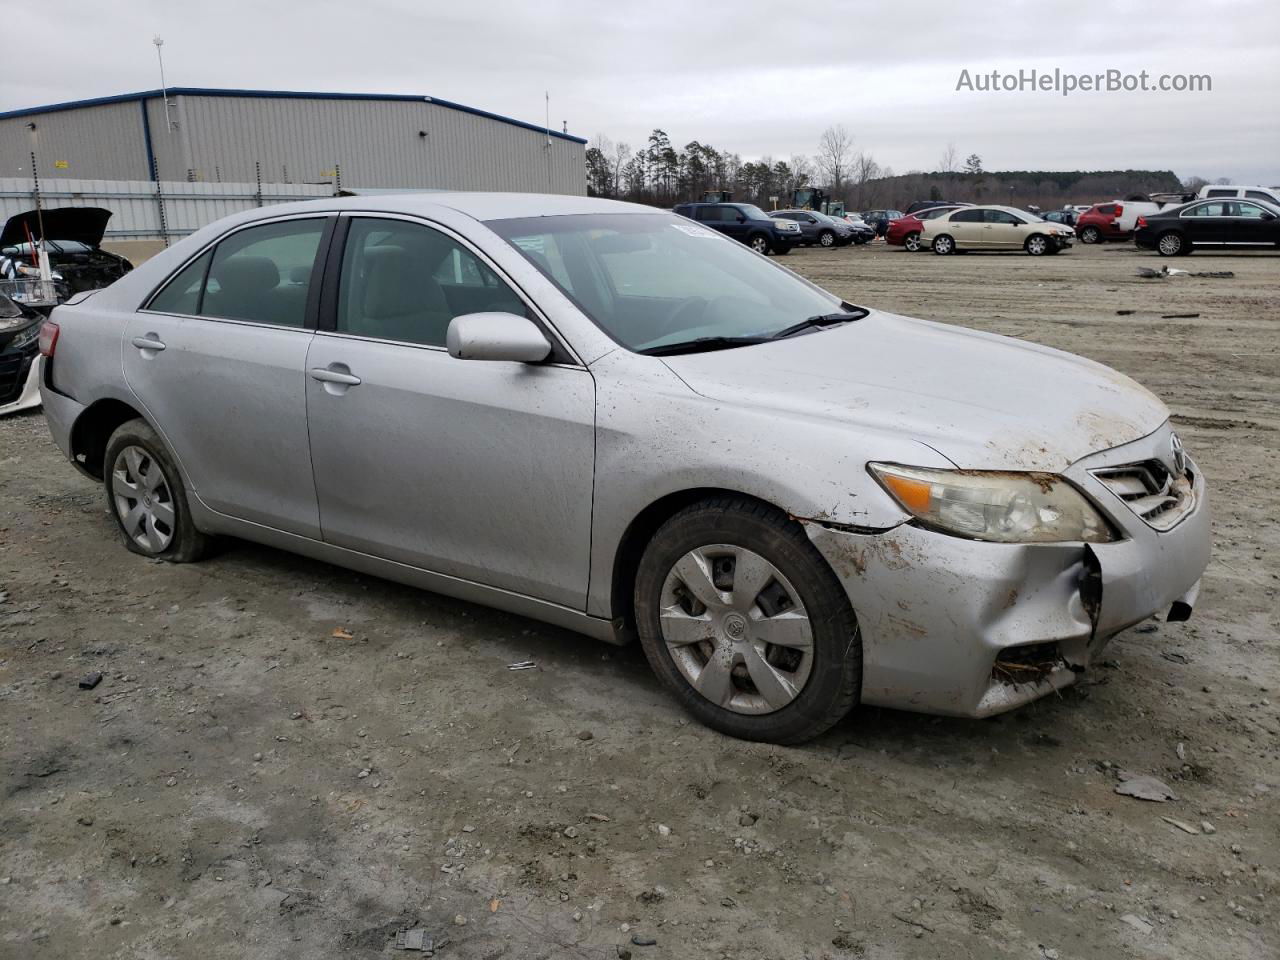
(779, 231)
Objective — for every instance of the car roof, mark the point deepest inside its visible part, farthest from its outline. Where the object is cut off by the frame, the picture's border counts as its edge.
(481, 206)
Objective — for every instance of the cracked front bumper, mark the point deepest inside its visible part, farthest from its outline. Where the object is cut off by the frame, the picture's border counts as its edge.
(936, 612)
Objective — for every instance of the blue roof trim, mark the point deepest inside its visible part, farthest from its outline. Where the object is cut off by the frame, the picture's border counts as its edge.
(280, 95)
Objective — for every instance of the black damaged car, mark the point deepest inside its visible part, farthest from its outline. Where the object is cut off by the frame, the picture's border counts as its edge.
(19, 344)
(73, 237)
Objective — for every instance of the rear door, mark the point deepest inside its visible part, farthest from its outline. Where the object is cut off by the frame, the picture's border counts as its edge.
(1206, 222)
(475, 469)
(217, 359)
(966, 227)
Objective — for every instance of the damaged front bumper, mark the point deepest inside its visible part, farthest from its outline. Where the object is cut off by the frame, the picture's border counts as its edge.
(969, 628)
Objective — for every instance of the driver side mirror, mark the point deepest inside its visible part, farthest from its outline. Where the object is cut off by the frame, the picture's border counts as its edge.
(740, 218)
(496, 336)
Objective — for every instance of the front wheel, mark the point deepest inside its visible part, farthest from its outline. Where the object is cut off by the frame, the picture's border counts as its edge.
(944, 245)
(912, 241)
(743, 621)
(1171, 244)
(145, 493)
(827, 238)
(759, 243)
(1090, 235)
(1037, 245)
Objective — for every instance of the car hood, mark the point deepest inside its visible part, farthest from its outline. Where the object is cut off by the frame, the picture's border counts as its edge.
(85, 224)
(983, 401)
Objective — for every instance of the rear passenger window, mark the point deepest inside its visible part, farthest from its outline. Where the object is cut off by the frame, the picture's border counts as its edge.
(182, 293)
(263, 273)
(967, 216)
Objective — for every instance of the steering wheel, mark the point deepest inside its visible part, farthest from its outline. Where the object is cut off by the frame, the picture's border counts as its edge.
(686, 314)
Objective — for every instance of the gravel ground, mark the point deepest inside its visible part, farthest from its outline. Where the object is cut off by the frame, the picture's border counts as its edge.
(284, 759)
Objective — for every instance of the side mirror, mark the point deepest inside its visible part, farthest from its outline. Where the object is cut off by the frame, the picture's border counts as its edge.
(496, 336)
(9, 251)
(741, 219)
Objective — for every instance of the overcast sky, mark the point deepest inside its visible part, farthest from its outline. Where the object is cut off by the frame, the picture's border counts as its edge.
(758, 78)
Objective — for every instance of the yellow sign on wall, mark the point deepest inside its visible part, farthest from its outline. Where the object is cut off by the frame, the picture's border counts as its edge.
(61, 164)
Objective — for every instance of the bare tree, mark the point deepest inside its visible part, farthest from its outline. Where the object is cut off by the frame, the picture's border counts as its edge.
(619, 157)
(833, 155)
(864, 168)
(950, 159)
(801, 169)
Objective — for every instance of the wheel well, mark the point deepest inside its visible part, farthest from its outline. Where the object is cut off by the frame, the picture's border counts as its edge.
(93, 429)
(637, 536)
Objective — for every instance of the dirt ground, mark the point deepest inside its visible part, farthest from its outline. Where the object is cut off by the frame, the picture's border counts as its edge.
(286, 760)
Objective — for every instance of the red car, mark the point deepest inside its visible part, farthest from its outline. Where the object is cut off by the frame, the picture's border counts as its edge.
(905, 231)
(1102, 222)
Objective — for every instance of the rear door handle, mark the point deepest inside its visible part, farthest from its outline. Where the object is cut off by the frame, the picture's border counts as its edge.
(326, 375)
(149, 342)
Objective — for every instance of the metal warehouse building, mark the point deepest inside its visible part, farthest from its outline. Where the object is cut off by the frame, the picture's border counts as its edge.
(354, 140)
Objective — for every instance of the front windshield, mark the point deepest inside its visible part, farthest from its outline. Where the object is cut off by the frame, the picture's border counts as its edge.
(752, 211)
(650, 280)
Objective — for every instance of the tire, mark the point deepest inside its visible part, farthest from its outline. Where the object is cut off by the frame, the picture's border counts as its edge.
(944, 245)
(1090, 235)
(827, 238)
(1037, 245)
(759, 243)
(156, 522)
(1171, 244)
(912, 241)
(720, 537)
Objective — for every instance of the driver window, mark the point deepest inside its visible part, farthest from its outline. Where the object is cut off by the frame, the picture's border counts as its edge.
(405, 281)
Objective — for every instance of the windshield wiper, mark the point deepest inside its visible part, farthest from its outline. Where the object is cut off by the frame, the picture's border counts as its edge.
(818, 322)
(701, 345)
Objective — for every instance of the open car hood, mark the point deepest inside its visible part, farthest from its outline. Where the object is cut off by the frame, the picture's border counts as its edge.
(88, 225)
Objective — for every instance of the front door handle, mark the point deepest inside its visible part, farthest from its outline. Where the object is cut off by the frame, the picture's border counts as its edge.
(150, 342)
(331, 375)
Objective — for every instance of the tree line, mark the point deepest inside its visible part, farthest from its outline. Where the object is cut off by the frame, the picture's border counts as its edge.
(662, 174)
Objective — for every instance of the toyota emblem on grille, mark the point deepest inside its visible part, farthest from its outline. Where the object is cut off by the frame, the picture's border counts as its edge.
(1179, 455)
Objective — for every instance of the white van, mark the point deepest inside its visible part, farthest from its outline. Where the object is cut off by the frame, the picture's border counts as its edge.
(1215, 190)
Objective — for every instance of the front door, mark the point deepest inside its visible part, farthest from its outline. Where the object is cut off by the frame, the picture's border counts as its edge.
(476, 469)
(1206, 222)
(217, 360)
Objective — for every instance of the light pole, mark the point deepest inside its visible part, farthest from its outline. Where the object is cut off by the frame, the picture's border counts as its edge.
(164, 90)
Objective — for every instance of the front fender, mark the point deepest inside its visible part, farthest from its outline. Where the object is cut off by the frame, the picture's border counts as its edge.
(655, 437)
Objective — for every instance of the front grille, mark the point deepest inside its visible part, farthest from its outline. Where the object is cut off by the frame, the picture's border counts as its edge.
(1151, 490)
(13, 373)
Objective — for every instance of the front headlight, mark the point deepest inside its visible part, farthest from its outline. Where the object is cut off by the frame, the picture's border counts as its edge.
(30, 335)
(1006, 507)
(790, 226)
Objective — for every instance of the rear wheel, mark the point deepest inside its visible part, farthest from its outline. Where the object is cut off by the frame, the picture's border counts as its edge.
(744, 622)
(944, 244)
(1171, 244)
(912, 241)
(1090, 235)
(145, 493)
(1037, 245)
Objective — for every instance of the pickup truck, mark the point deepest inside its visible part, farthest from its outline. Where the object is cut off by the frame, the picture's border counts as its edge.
(1117, 219)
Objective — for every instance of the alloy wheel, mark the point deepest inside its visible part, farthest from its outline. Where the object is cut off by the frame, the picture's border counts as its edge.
(143, 500)
(1090, 235)
(912, 242)
(1037, 246)
(736, 629)
(827, 240)
(1170, 244)
(759, 244)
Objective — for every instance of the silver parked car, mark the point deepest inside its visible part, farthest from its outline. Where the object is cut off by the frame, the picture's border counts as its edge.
(613, 419)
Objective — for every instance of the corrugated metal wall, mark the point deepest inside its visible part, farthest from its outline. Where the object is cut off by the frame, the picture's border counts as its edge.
(374, 143)
(104, 141)
(136, 208)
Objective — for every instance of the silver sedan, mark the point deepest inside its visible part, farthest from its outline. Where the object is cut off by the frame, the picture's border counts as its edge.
(610, 418)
